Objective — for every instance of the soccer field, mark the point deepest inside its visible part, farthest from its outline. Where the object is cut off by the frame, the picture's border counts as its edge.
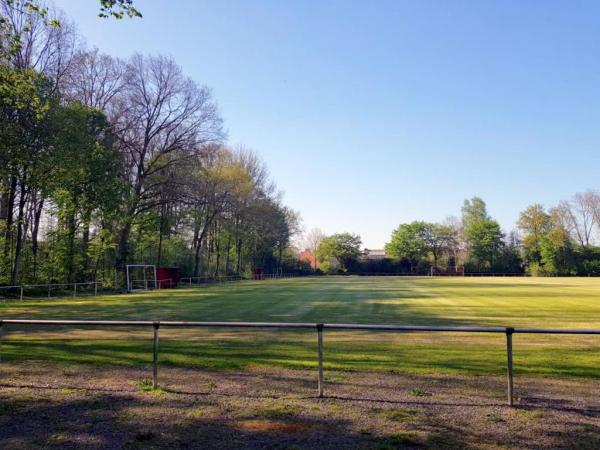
(531, 302)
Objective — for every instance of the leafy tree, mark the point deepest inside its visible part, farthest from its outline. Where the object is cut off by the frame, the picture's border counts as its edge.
(534, 223)
(410, 241)
(485, 243)
(473, 211)
(345, 247)
(85, 179)
(27, 104)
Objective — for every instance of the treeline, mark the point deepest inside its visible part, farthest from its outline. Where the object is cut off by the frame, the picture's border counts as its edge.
(559, 241)
(106, 162)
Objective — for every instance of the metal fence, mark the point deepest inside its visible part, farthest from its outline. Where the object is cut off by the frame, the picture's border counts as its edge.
(319, 327)
(51, 290)
(58, 290)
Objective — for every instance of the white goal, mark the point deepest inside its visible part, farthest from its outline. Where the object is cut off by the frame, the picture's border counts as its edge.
(141, 277)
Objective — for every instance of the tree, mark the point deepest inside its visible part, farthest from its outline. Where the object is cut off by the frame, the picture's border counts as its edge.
(482, 235)
(580, 217)
(96, 80)
(85, 180)
(410, 241)
(345, 247)
(164, 119)
(27, 105)
(418, 240)
(473, 211)
(485, 243)
(534, 223)
(312, 240)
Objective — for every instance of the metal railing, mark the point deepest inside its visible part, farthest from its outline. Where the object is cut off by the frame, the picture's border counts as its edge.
(319, 327)
(21, 291)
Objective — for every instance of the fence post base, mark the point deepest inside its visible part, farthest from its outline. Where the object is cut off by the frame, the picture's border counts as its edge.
(155, 325)
(509, 357)
(320, 351)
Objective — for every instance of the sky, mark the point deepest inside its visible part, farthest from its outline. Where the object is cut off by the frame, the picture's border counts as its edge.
(374, 113)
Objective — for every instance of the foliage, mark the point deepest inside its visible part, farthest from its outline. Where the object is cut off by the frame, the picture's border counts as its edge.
(343, 247)
(110, 162)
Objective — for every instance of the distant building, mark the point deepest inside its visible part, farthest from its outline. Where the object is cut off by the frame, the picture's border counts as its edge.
(374, 255)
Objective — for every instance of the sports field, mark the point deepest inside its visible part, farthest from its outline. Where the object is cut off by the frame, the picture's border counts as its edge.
(532, 302)
(236, 388)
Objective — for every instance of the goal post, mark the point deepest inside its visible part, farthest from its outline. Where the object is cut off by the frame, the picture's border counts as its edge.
(141, 277)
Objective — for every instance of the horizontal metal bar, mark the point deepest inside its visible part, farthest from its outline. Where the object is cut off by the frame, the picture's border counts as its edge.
(352, 326)
(293, 325)
(556, 331)
(99, 323)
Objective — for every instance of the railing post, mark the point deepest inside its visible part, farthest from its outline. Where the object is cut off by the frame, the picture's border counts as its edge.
(509, 356)
(95, 288)
(75, 290)
(155, 325)
(320, 350)
(21, 295)
(0, 338)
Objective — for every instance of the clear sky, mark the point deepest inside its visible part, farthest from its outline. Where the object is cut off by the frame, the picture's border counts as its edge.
(374, 113)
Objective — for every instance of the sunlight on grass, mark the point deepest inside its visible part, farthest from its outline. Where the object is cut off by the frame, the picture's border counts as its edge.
(531, 302)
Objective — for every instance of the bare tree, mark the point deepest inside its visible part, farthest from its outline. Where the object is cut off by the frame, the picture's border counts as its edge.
(95, 79)
(42, 45)
(312, 240)
(162, 119)
(579, 216)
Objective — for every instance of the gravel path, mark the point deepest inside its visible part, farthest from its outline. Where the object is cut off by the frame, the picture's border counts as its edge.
(51, 406)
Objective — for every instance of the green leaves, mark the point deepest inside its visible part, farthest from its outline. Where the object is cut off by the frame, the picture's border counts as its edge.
(345, 247)
(118, 9)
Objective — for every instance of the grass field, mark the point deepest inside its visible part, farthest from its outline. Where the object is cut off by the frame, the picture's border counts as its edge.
(535, 302)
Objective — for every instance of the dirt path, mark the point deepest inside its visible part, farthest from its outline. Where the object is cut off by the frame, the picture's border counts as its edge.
(50, 406)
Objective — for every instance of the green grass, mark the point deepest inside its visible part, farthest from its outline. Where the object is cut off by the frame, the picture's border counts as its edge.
(532, 302)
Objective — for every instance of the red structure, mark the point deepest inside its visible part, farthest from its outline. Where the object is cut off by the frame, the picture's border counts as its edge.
(257, 273)
(167, 277)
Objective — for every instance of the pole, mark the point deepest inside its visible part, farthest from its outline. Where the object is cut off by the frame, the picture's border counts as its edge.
(155, 356)
(320, 349)
(509, 355)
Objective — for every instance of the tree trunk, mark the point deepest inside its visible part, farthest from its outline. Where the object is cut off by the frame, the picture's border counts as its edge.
(123, 253)
(217, 249)
(35, 232)
(10, 206)
(20, 223)
(227, 256)
(238, 266)
(72, 228)
(160, 235)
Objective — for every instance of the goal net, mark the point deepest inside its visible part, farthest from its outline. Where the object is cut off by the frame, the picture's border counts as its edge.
(141, 277)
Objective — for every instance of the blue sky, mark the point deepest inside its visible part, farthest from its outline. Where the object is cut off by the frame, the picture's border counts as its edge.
(370, 114)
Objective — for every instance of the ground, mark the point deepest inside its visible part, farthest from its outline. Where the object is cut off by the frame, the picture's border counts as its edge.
(256, 389)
